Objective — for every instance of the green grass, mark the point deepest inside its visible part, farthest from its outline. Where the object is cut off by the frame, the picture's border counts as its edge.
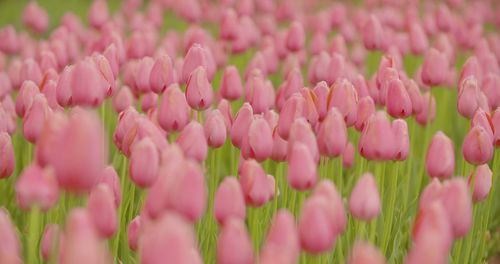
(400, 183)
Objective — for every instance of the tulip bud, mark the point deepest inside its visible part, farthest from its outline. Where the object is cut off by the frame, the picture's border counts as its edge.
(174, 109)
(6, 155)
(477, 147)
(302, 168)
(193, 142)
(215, 129)
(231, 87)
(398, 101)
(37, 187)
(199, 94)
(102, 211)
(332, 135)
(364, 202)
(480, 179)
(229, 202)
(133, 232)
(162, 74)
(364, 252)
(144, 163)
(434, 68)
(234, 244)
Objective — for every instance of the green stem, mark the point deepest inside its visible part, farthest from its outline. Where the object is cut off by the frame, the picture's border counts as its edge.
(33, 235)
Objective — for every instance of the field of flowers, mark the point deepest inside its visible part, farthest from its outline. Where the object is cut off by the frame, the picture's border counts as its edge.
(249, 131)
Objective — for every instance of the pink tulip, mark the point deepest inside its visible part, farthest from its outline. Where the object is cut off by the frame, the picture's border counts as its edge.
(81, 240)
(332, 135)
(6, 155)
(280, 147)
(63, 88)
(301, 131)
(174, 110)
(434, 68)
(37, 187)
(35, 117)
(260, 140)
(87, 84)
(415, 96)
(144, 163)
(316, 231)
(495, 122)
(187, 193)
(364, 202)
(162, 74)
(292, 109)
(321, 91)
(431, 236)
(51, 239)
(10, 249)
(477, 147)
(229, 202)
(458, 205)
(400, 129)
(348, 155)
(428, 112)
(366, 108)
(168, 238)
(440, 158)
(363, 252)
(488, 86)
(418, 39)
(302, 173)
(225, 109)
(193, 142)
(255, 184)
(282, 241)
(241, 124)
(483, 119)
(102, 210)
(123, 99)
(231, 87)
(197, 56)
(234, 244)
(98, 13)
(133, 232)
(199, 94)
(311, 107)
(373, 33)
(295, 37)
(149, 102)
(215, 129)
(110, 178)
(78, 151)
(480, 179)
(25, 97)
(142, 75)
(35, 17)
(399, 104)
(344, 97)
(377, 140)
(468, 93)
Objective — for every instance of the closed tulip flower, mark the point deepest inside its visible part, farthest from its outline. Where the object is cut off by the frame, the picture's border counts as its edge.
(174, 110)
(199, 94)
(477, 147)
(440, 158)
(37, 187)
(364, 202)
(234, 244)
(480, 179)
(229, 201)
(144, 163)
(6, 155)
(102, 210)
